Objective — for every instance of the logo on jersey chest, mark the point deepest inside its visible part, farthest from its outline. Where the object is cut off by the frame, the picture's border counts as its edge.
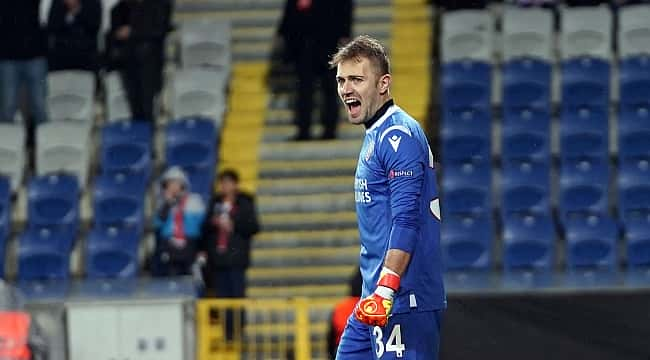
(369, 150)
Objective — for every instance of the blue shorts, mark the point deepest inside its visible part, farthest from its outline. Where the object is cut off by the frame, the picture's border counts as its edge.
(411, 336)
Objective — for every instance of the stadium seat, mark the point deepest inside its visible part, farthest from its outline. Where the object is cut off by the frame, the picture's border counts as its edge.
(585, 83)
(586, 31)
(53, 201)
(528, 33)
(191, 142)
(117, 102)
(634, 189)
(466, 242)
(201, 180)
(528, 241)
(591, 241)
(637, 241)
(119, 199)
(634, 81)
(583, 187)
(525, 187)
(634, 30)
(526, 144)
(126, 146)
(206, 43)
(5, 205)
(466, 121)
(199, 92)
(526, 84)
(63, 147)
(44, 253)
(12, 153)
(467, 34)
(466, 84)
(112, 252)
(466, 147)
(467, 187)
(584, 132)
(71, 95)
(526, 120)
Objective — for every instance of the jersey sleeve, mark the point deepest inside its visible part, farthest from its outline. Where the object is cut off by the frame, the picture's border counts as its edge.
(404, 164)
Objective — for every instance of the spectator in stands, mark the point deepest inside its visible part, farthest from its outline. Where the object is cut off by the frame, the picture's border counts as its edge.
(311, 30)
(136, 48)
(230, 224)
(342, 312)
(177, 224)
(73, 27)
(227, 232)
(23, 62)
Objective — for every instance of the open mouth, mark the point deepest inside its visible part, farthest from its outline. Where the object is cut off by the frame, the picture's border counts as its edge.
(354, 107)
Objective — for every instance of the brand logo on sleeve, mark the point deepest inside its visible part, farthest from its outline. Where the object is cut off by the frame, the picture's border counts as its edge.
(399, 173)
(394, 141)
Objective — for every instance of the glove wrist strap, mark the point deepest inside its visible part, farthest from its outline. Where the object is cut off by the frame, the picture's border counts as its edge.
(385, 292)
(389, 279)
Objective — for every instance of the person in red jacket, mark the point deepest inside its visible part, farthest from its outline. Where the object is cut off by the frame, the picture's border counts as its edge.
(342, 312)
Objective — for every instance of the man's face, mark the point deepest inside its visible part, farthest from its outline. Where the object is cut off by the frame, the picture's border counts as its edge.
(174, 187)
(228, 186)
(360, 88)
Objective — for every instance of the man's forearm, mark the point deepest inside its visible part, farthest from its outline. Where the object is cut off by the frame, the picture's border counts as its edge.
(397, 260)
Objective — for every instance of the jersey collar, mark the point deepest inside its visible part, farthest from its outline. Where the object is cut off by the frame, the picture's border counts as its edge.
(381, 115)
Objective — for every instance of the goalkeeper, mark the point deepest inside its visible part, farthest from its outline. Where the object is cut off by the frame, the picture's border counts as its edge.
(398, 211)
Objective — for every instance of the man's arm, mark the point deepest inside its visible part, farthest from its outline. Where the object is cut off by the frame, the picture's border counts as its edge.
(397, 260)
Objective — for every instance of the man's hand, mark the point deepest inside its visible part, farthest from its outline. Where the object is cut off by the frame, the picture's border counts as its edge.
(123, 32)
(375, 309)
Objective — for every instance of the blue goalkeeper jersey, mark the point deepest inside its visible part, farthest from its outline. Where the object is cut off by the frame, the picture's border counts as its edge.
(398, 208)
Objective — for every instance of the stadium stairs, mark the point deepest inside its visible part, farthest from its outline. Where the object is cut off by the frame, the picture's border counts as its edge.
(309, 244)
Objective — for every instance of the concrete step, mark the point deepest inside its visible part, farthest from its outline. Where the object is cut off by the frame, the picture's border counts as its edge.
(325, 238)
(287, 292)
(305, 185)
(270, 204)
(299, 275)
(311, 150)
(309, 221)
(280, 169)
(348, 255)
(282, 133)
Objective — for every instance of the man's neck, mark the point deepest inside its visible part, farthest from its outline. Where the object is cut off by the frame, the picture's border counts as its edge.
(379, 113)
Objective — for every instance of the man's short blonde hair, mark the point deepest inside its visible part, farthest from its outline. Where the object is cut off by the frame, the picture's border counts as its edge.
(360, 47)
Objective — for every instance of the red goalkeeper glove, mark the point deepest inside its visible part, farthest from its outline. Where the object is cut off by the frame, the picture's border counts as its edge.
(375, 309)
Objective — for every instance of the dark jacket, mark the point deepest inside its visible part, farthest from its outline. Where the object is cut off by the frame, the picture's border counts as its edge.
(73, 45)
(150, 21)
(325, 23)
(21, 35)
(246, 224)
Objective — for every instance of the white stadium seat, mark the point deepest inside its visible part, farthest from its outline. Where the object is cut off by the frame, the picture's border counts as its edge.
(117, 102)
(586, 31)
(528, 32)
(206, 43)
(467, 35)
(12, 153)
(634, 30)
(71, 95)
(63, 147)
(199, 92)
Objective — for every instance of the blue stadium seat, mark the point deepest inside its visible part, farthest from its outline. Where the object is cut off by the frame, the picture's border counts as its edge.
(525, 145)
(472, 147)
(591, 241)
(201, 181)
(191, 142)
(5, 205)
(525, 187)
(53, 200)
(112, 252)
(467, 187)
(585, 82)
(466, 121)
(466, 84)
(526, 84)
(467, 242)
(634, 189)
(637, 241)
(526, 120)
(126, 146)
(44, 253)
(583, 187)
(584, 132)
(633, 131)
(634, 81)
(119, 199)
(528, 241)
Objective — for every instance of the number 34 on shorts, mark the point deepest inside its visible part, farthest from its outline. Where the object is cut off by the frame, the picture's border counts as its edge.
(392, 343)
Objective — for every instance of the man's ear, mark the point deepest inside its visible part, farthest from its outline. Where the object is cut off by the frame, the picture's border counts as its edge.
(384, 83)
